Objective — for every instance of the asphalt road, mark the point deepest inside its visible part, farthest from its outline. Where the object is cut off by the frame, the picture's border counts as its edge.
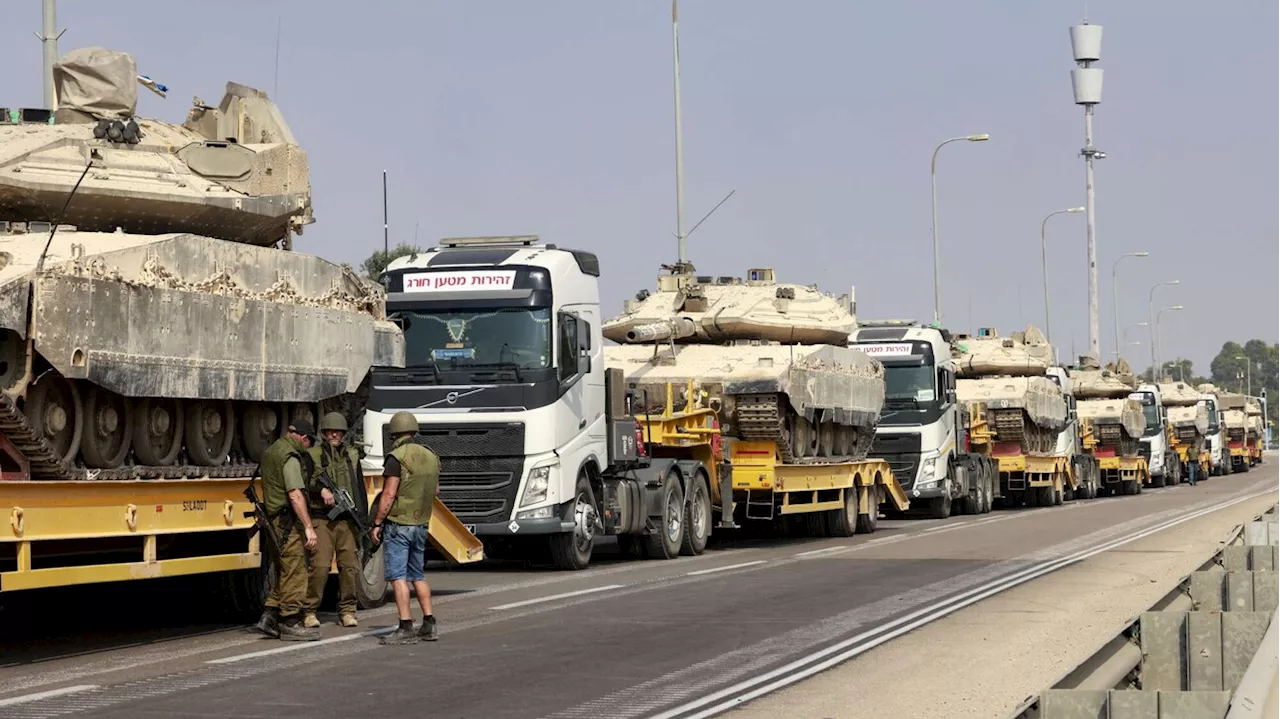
(625, 639)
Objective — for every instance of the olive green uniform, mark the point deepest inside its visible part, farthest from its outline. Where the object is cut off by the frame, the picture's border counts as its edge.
(419, 472)
(337, 536)
(285, 464)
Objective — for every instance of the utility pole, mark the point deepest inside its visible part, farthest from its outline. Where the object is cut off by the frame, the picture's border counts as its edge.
(49, 39)
(682, 251)
(1086, 84)
(386, 237)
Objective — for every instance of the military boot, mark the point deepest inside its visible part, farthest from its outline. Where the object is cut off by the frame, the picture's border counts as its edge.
(311, 621)
(402, 635)
(428, 632)
(269, 622)
(292, 630)
(348, 619)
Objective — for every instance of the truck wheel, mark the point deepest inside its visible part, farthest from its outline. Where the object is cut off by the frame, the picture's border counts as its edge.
(866, 523)
(1046, 496)
(940, 507)
(843, 522)
(665, 543)
(572, 550)
(697, 518)
(371, 590)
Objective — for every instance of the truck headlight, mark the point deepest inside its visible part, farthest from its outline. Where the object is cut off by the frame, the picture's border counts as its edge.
(535, 490)
(928, 468)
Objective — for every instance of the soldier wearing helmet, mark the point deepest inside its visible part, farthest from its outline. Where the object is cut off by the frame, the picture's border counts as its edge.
(411, 482)
(340, 462)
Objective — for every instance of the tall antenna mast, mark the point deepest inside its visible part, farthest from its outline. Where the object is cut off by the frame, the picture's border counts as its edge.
(682, 258)
(1086, 84)
(49, 38)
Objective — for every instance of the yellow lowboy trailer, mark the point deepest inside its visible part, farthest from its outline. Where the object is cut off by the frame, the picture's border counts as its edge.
(67, 533)
(751, 483)
(1035, 481)
(1119, 475)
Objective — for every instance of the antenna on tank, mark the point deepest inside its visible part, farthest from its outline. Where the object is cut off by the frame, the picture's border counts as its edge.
(48, 37)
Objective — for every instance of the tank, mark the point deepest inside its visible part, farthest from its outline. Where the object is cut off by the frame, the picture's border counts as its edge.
(1253, 419)
(154, 320)
(1003, 378)
(1102, 398)
(1178, 394)
(1190, 424)
(769, 357)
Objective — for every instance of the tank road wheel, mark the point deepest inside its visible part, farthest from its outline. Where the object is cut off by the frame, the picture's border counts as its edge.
(54, 410)
(826, 445)
(301, 410)
(210, 427)
(371, 589)
(801, 436)
(157, 431)
(572, 550)
(260, 426)
(665, 543)
(108, 429)
(697, 517)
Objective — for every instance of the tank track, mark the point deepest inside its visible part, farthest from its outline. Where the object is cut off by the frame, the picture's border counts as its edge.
(764, 418)
(45, 464)
(1013, 425)
(1113, 436)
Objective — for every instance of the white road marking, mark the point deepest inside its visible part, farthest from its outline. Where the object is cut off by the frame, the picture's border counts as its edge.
(46, 694)
(713, 570)
(295, 646)
(554, 597)
(805, 667)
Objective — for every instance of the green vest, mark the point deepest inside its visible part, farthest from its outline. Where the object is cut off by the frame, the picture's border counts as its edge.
(337, 463)
(275, 496)
(419, 477)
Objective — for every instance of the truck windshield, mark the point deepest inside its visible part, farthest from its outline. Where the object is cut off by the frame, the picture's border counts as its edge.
(1214, 425)
(501, 337)
(1152, 414)
(908, 385)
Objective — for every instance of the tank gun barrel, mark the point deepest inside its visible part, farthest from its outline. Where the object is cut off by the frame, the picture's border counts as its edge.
(659, 331)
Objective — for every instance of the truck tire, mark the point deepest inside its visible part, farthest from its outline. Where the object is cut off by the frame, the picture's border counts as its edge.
(572, 550)
(665, 543)
(843, 522)
(866, 523)
(697, 517)
(940, 507)
(371, 590)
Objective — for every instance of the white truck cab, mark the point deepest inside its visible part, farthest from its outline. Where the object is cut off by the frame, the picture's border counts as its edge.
(1216, 438)
(1161, 460)
(504, 371)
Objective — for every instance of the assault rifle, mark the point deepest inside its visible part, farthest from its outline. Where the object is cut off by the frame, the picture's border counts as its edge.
(261, 522)
(343, 504)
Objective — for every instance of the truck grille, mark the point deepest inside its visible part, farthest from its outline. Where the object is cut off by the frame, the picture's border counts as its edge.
(904, 468)
(480, 467)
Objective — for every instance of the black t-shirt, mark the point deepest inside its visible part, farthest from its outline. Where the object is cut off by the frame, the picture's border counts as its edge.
(390, 467)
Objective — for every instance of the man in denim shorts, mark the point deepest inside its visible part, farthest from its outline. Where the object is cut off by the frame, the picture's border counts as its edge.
(411, 481)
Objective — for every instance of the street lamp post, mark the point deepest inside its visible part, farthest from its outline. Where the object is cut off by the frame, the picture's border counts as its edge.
(1248, 369)
(1125, 335)
(1175, 308)
(1044, 267)
(1115, 302)
(933, 180)
(1151, 298)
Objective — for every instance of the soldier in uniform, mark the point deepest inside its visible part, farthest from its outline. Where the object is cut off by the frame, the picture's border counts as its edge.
(285, 469)
(341, 464)
(412, 481)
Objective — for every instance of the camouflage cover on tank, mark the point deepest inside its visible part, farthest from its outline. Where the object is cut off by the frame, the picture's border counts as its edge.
(1026, 353)
(161, 329)
(1178, 394)
(813, 397)
(1118, 411)
(688, 308)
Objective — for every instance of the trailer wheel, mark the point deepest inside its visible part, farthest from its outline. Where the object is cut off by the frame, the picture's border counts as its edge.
(866, 523)
(371, 589)
(843, 522)
(665, 543)
(697, 517)
(572, 550)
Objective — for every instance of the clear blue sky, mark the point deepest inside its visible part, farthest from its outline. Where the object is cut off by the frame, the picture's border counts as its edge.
(554, 118)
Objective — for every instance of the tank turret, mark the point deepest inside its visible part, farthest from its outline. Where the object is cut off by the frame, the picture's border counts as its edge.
(722, 309)
(771, 358)
(152, 321)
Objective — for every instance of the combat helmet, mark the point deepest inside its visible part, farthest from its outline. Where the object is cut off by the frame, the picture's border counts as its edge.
(402, 422)
(334, 420)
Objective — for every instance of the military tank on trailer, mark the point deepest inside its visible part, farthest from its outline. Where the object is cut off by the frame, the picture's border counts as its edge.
(1102, 398)
(1004, 379)
(768, 356)
(154, 321)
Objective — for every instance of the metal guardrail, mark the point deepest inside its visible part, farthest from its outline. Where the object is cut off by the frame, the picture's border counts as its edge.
(1206, 650)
